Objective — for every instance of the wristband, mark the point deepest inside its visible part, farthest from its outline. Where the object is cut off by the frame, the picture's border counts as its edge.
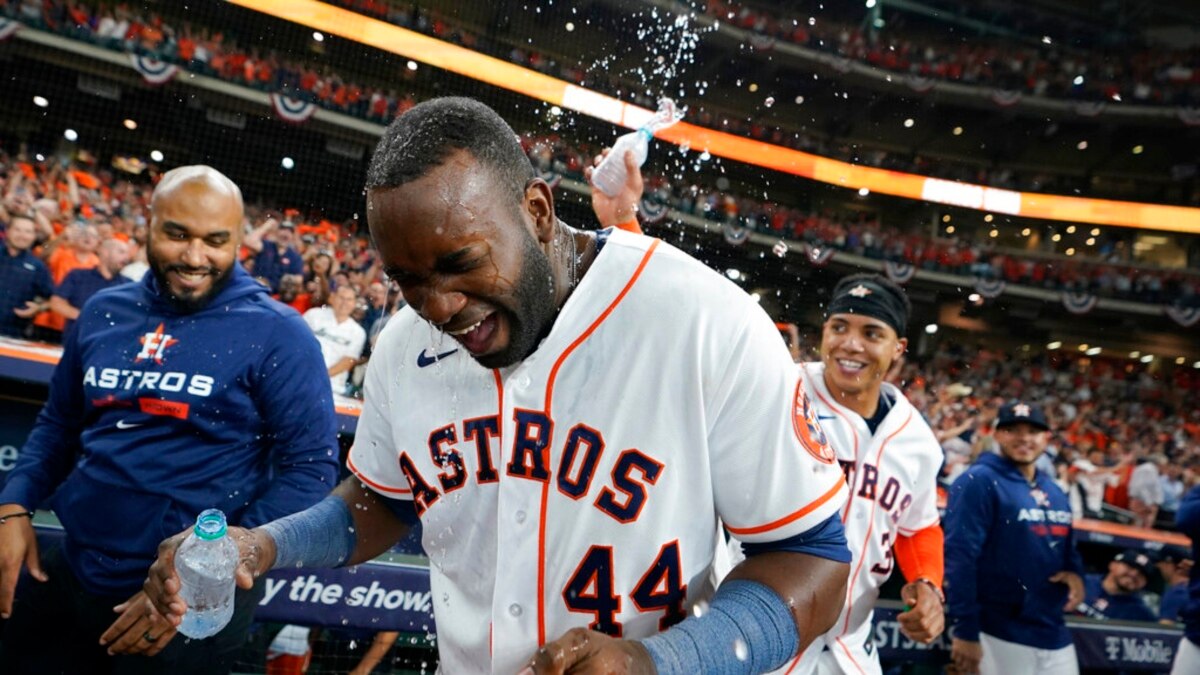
(936, 590)
(20, 514)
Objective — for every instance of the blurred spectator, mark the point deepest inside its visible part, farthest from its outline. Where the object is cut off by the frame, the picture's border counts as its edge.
(1118, 594)
(278, 256)
(74, 249)
(291, 287)
(376, 305)
(290, 651)
(1175, 567)
(1092, 477)
(25, 283)
(1145, 490)
(81, 284)
(1171, 478)
(341, 338)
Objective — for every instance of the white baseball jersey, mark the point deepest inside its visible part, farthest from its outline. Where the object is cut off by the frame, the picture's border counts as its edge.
(892, 475)
(583, 486)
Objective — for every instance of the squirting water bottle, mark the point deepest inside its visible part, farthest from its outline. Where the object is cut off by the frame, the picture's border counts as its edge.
(205, 563)
(610, 175)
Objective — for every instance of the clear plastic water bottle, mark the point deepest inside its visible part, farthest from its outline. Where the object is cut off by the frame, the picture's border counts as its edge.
(205, 563)
(610, 175)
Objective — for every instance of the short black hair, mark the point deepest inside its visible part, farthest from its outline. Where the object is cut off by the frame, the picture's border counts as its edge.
(424, 136)
(879, 280)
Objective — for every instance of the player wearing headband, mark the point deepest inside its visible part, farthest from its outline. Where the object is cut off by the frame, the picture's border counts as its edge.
(891, 460)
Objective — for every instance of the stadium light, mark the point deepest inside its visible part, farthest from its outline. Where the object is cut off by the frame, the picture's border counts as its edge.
(570, 27)
(988, 218)
(1134, 354)
(288, 163)
(1071, 251)
(318, 36)
(412, 65)
(1026, 232)
(1084, 347)
(1138, 149)
(994, 233)
(1196, 365)
(70, 135)
(863, 192)
(130, 124)
(1082, 145)
(40, 157)
(931, 328)
(946, 218)
(1078, 80)
(156, 155)
(908, 123)
(949, 229)
(1070, 229)
(958, 131)
(1094, 351)
(1054, 345)
(975, 298)
(1147, 358)
(1180, 361)
(40, 101)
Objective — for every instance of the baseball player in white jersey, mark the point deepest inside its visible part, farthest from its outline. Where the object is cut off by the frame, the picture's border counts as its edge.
(569, 415)
(891, 460)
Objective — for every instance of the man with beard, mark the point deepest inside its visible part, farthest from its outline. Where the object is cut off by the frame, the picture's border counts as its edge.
(1118, 594)
(187, 391)
(1011, 567)
(506, 408)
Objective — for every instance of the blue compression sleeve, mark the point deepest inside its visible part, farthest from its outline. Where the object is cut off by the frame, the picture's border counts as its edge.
(319, 536)
(747, 629)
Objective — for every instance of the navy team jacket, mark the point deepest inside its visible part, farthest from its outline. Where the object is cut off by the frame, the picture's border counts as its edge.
(1004, 539)
(1187, 521)
(155, 415)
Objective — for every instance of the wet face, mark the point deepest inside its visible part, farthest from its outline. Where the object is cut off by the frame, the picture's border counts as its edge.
(858, 351)
(470, 258)
(194, 235)
(1126, 577)
(1022, 443)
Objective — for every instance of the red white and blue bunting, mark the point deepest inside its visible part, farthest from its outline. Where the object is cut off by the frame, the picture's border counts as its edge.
(1005, 99)
(899, 272)
(8, 28)
(1189, 116)
(152, 70)
(293, 111)
(818, 255)
(734, 235)
(920, 84)
(1078, 302)
(652, 212)
(990, 288)
(1186, 317)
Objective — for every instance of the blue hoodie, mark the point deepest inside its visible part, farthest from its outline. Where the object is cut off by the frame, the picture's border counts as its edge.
(1004, 540)
(155, 415)
(1187, 521)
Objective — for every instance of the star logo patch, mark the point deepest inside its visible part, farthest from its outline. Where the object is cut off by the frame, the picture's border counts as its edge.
(859, 291)
(1021, 410)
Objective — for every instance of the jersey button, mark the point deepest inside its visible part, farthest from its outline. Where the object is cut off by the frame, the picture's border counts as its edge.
(519, 516)
(523, 381)
(514, 609)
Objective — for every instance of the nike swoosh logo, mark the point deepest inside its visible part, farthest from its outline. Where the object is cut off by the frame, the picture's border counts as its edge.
(122, 424)
(424, 359)
(827, 417)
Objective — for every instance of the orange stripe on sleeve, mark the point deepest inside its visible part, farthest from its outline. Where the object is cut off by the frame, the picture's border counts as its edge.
(378, 486)
(791, 517)
(921, 556)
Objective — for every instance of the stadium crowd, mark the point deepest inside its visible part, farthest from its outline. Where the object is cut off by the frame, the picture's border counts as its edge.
(1137, 74)
(1107, 268)
(218, 53)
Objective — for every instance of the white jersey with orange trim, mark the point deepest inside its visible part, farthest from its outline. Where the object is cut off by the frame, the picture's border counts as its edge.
(893, 479)
(583, 486)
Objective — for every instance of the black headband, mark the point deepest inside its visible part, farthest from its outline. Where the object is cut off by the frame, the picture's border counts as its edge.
(868, 298)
